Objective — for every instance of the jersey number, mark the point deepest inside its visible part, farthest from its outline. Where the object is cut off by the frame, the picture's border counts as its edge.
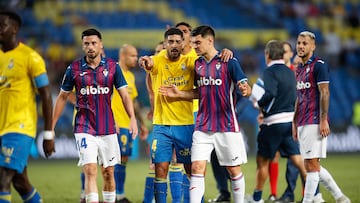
(82, 143)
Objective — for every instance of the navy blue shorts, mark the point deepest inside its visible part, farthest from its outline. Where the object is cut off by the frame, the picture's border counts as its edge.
(125, 141)
(277, 137)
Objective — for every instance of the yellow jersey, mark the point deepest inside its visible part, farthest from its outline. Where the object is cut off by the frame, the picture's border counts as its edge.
(192, 53)
(121, 117)
(18, 90)
(170, 111)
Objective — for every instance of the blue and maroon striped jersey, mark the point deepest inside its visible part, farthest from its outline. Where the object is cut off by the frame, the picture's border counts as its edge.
(93, 89)
(315, 71)
(217, 82)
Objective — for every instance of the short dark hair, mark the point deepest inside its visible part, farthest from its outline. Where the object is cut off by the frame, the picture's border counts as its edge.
(275, 49)
(203, 30)
(89, 32)
(184, 24)
(12, 15)
(173, 31)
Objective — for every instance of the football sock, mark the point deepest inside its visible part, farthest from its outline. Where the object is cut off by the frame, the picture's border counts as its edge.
(329, 183)
(149, 187)
(238, 188)
(197, 187)
(119, 175)
(273, 177)
(257, 195)
(160, 190)
(176, 183)
(82, 179)
(5, 197)
(312, 181)
(32, 197)
(186, 185)
(109, 197)
(92, 197)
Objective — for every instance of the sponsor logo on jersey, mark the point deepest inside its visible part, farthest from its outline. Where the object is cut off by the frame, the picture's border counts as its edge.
(303, 85)
(90, 90)
(204, 81)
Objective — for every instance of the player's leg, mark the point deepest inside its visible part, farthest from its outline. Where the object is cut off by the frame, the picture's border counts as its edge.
(88, 148)
(231, 152)
(150, 177)
(82, 185)
(161, 153)
(13, 160)
(222, 177)
(201, 149)
(273, 176)
(291, 176)
(182, 144)
(176, 180)
(109, 156)
(125, 143)
(23, 186)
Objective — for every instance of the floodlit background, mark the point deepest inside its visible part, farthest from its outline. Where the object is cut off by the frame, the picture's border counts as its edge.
(53, 28)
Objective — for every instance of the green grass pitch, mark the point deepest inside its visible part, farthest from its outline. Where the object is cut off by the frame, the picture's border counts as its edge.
(58, 181)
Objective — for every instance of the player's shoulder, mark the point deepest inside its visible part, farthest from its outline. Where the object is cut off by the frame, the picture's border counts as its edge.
(26, 50)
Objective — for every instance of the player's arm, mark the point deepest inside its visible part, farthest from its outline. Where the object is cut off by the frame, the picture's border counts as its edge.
(174, 92)
(226, 55)
(129, 108)
(46, 103)
(151, 95)
(72, 98)
(59, 106)
(143, 129)
(324, 108)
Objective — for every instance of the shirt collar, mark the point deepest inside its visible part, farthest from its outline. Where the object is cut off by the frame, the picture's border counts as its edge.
(280, 61)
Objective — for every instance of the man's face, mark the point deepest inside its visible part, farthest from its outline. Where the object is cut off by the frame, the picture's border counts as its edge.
(7, 29)
(187, 32)
(92, 46)
(130, 57)
(305, 46)
(174, 46)
(200, 44)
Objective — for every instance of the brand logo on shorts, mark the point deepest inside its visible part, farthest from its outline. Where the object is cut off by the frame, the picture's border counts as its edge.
(90, 90)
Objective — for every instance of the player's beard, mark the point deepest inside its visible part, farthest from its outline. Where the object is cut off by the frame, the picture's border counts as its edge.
(92, 55)
(174, 54)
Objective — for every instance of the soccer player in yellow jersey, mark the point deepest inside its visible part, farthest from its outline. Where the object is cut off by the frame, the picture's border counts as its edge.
(173, 120)
(128, 57)
(22, 75)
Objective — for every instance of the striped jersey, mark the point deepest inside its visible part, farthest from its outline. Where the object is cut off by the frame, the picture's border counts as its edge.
(217, 82)
(93, 89)
(22, 71)
(308, 76)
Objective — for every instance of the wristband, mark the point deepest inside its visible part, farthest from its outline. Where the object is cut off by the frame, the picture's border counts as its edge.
(48, 135)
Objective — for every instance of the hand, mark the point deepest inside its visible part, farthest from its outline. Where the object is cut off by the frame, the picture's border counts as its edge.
(324, 128)
(145, 62)
(169, 90)
(48, 147)
(245, 88)
(133, 129)
(226, 55)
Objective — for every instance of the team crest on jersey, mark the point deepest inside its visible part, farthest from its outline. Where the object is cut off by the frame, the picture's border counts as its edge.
(11, 64)
(183, 67)
(307, 69)
(105, 72)
(218, 66)
(166, 67)
(199, 67)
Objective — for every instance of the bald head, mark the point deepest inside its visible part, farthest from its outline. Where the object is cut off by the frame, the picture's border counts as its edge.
(128, 56)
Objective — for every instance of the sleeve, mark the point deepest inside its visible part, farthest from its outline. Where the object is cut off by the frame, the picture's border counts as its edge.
(236, 72)
(270, 86)
(321, 72)
(119, 79)
(68, 80)
(38, 70)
